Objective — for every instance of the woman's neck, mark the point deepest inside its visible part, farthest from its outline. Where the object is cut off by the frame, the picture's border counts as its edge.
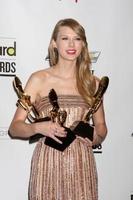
(65, 69)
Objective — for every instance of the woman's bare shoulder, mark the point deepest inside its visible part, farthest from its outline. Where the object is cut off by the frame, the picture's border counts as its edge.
(36, 80)
(39, 83)
(40, 74)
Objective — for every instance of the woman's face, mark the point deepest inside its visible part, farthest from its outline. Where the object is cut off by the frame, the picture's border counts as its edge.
(68, 44)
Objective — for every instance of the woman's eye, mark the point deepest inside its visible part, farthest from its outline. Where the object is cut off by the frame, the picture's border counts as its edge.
(64, 38)
(78, 38)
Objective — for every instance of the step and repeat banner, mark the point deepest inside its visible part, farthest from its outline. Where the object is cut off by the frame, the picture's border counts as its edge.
(25, 31)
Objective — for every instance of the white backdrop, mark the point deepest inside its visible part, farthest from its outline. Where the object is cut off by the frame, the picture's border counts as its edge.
(109, 29)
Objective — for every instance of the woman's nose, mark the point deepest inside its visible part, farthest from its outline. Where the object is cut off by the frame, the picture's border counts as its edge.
(71, 42)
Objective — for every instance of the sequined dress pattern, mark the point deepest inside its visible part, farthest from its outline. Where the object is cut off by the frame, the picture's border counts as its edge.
(67, 175)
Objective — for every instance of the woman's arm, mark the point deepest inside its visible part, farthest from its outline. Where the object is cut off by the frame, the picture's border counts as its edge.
(19, 127)
(22, 129)
(100, 130)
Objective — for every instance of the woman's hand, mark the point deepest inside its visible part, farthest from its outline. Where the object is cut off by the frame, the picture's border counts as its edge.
(50, 129)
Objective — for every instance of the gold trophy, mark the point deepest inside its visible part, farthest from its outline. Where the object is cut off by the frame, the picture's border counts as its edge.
(24, 100)
(55, 115)
(84, 128)
(79, 128)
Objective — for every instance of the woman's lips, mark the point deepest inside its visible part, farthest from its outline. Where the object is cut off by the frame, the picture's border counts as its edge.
(71, 51)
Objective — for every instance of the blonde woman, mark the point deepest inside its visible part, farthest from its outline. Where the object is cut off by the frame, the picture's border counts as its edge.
(71, 174)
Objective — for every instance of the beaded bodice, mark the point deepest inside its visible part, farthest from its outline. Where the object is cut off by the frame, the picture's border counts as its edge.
(74, 105)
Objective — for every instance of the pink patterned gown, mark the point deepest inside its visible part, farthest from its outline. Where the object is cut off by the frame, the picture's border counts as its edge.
(67, 175)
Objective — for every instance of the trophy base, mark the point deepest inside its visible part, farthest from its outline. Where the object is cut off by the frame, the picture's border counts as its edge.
(66, 141)
(82, 129)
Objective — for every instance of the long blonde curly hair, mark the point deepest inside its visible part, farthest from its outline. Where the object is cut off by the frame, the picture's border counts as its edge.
(86, 83)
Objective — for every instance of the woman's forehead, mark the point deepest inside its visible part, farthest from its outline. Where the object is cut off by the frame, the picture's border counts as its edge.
(65, 30)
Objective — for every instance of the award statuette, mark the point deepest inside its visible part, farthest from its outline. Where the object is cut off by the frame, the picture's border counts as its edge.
(59, 116)
(24, 101)
(79, 128)
(83, 128)
(55, 115)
